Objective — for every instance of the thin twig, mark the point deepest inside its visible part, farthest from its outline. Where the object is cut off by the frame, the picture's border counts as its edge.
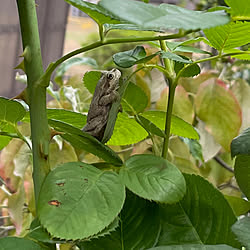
(223, 164)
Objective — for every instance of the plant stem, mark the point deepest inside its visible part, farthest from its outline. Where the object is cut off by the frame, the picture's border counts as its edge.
(54, 65)
(36, 93)
(171, 93)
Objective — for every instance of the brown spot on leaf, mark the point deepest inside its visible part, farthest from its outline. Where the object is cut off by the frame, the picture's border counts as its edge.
(85, 179)
(55, 203)
(60, 184)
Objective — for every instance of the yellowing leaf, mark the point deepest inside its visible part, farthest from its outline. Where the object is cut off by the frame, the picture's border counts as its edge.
(219, 109)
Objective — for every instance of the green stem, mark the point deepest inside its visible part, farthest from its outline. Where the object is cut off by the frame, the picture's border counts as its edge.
(36, 93)
(171, 94)
(54, 65)
(169, 68)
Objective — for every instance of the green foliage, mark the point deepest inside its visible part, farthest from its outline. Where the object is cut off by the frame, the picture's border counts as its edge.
(19, 243)
(132, 104)
(71, 194)
(129, 58)
(241, 144)
(82, 140)
(193, 247)
(178, 126)
(153, 178)
(83, 199)
(146, 220)
(242, 173)
(241, 229)
(203, 216)
(124, 131)
(164, 16)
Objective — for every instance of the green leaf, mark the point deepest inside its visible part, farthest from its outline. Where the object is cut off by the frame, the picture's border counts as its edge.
(219, 109)
(239, 205)
(78, 200)
(229, 36)
(193, 247)
(241, 144)
(137, 215)
(8, 243)
(82, 140)
(75, 119)
(129, 58)
(38, 233)
(178, 126)
(126, 131)
(72, 62)
(242, 173)
(91, 79)
(178, 47)
(203, 216)
(164, 16)
(96, 12)
(242, 228)
(244, 56)
(240, 9)
(174, 57)
(150, 127)
(153, 178)
(4, 141)
(134, 99)
(10, 113)
(188, 71)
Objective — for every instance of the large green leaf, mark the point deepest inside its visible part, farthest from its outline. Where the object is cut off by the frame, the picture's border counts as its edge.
(164, 16)
(240, 9)
(241, 143)
(139, 227)
(82, 140)
(134, 99)
(242, 173)
(129, 58)
(126, 131)
(193, 247)
(72, 62)
(153, 178)
(78, 200)
(242, 228)
(203, 216)
(178, 126)
(9, 243)
(229, 36)
(218, 108)
(96, 12)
